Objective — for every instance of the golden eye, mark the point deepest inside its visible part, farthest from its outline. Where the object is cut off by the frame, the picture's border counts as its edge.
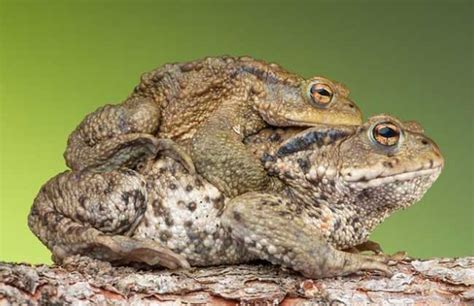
(386, 134)
(321, 93)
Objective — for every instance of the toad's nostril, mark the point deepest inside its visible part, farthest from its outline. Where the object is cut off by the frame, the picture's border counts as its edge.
(424, 141)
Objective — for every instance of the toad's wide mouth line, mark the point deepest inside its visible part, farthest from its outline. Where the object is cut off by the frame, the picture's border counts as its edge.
(309, 124)
(397, 177)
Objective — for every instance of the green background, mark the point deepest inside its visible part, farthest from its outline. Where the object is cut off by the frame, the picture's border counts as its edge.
(60, 60)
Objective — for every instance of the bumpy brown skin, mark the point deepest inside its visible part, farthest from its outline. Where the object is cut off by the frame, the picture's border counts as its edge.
(215, 101)
(338, 184)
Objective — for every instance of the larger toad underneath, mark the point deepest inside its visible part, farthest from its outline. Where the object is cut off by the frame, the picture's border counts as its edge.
(337, 184)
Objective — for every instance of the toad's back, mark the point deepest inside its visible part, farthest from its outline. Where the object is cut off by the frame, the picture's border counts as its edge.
(209, 106)
(189, 93)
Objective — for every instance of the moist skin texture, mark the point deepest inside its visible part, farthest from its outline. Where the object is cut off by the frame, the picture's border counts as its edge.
(335, 185)
(209, 106)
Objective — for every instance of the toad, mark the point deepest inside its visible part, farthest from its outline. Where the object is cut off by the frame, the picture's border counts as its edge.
(209, 106)
(337, 184)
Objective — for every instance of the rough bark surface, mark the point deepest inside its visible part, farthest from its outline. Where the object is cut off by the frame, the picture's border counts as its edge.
(79, 281)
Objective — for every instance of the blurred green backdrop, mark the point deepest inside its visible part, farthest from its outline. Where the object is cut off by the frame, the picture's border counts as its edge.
(60, 60)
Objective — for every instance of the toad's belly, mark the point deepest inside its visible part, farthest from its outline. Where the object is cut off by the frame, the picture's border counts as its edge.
(184, 213)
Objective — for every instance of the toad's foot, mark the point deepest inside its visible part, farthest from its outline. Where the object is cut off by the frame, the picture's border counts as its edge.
(369, 245)
(270, 228)
(123, 250)
(129, 150)
(392, 259)
(374, 247)
(121, 135)
(103, 132)
(127, 249)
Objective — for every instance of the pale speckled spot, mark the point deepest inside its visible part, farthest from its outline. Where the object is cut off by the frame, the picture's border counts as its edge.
(271, 249)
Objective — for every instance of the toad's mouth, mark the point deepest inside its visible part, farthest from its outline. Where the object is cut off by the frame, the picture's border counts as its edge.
(350, 122)
(380, 179)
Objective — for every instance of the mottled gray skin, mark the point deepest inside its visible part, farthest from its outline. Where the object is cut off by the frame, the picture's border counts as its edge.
(216, 102)
(337, 184)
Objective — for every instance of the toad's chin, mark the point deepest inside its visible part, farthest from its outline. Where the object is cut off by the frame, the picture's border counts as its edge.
(398, 190)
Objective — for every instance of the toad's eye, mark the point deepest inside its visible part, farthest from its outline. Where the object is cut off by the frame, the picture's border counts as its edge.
(386, 134)
(321, 94)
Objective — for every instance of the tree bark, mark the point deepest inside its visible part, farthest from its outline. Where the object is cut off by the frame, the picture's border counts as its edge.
(83, 280)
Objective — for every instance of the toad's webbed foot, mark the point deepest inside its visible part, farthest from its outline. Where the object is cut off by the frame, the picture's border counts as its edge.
(131, 149)
(88, 213)
(271, 228)
(121, 135)
(122, 250)
(368, 245)
(102, 132)
(392, 259)
(374, 247)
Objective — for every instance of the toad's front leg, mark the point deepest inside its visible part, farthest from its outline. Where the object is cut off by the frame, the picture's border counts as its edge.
(92, 214)
(220, 155)
(272, 228)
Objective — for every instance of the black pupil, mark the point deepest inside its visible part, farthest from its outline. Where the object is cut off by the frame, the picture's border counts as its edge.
(387, 132)
(321, 91)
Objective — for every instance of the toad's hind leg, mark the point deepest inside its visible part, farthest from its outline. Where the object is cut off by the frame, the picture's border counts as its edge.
(221, 158)
(118, 135)
(92, 214)
(273, 229)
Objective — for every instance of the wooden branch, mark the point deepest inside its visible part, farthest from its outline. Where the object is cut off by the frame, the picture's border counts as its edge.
(435, 281)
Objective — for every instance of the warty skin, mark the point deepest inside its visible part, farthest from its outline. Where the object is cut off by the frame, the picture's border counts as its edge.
(209, 105)
(335, 185)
